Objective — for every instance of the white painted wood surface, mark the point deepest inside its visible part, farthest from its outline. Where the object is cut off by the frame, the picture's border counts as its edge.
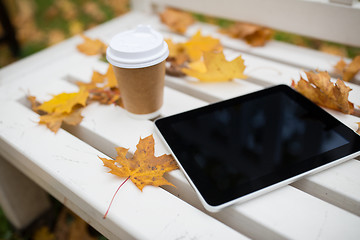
(315, 18)
(66, 164)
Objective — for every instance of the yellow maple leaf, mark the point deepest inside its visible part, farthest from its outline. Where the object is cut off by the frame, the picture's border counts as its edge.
(91, 46)
(198, 44)
(348, 71)
(323, 92)
(216, 68)
(64, 102)
(143, 168)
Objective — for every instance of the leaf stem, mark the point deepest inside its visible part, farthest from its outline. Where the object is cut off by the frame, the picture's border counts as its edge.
(114, 196)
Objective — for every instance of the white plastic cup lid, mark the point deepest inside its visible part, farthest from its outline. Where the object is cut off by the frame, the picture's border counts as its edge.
(137, 48)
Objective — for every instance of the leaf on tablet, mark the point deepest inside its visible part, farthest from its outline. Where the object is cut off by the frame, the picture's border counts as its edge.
(143, 168)
(254, 35)
(358, 130)
(323, 92)
(91, 46)
(348, 71)
(176, 20)
(215, 68)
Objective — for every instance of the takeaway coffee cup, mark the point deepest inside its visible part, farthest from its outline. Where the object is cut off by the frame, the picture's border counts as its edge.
(138, 58)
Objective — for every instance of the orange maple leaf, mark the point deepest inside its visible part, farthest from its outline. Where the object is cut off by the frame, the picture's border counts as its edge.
(54, 120)
(143, 168)
(323, 92)
(176, 20)
(216, 68)
(253, 34)
(91, 46)
(348, 71)
(103, 88)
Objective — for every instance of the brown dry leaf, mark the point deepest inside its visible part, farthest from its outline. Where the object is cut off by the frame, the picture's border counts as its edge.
(323, 92)
(216, 68)
(91, 46)
(64, 102)
(334, 50)
(198, 44)
(176, 20)
(143, 168)
(103, 88)
(358, 130)
(348, 71)
(54, 120)
(254, 35)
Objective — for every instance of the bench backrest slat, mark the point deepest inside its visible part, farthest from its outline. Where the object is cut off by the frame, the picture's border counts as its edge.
(320, 19)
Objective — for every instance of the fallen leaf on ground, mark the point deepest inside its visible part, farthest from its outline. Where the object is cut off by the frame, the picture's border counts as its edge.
(198, 44)
(143, 168)
(216, 68)
(43, 233)
(323, 92)
(254, 35)
(71, 227)
(64, 102)
(176, 20)
(91, 46)
(348, 71)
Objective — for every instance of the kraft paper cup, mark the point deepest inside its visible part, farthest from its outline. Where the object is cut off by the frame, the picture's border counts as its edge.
(138, 58)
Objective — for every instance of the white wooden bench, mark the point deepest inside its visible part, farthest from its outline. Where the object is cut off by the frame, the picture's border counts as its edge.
(66, 164)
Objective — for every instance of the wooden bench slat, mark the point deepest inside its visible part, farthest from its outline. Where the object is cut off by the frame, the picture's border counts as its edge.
(183, 189)
(70, 170)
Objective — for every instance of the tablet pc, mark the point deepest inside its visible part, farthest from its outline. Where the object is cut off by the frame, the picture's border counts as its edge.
(237, 149)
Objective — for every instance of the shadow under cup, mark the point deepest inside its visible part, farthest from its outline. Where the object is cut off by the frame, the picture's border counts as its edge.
(142, 89)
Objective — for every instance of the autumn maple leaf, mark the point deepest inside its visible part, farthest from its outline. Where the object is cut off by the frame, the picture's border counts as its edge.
(91, 46)
(143, 168)
(64, 102)
(323, 92)
(348, 71)
(254, 35)
(176, 20)
(103, 88)
(54, 120)
(216, 68)
(198, 44)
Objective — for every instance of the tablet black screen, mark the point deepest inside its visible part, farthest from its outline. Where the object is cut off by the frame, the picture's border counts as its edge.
(238, 146)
